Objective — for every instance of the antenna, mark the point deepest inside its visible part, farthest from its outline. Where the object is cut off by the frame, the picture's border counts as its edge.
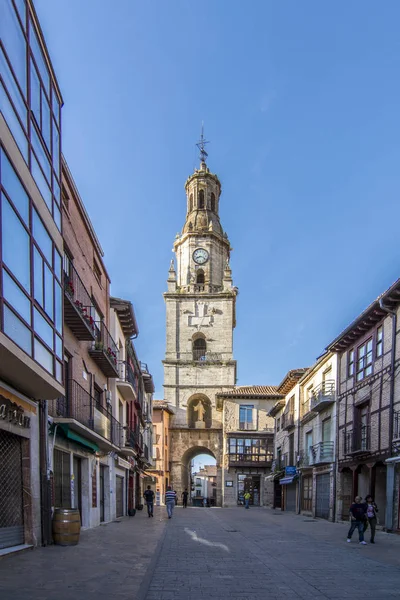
(201, 145)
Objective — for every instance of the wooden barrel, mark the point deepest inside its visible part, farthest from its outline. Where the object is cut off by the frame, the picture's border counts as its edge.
(66, 526)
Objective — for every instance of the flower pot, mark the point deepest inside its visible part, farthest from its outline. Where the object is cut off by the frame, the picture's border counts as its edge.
(131, 512)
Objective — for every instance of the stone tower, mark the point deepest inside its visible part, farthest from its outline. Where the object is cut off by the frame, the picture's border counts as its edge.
(200, 310)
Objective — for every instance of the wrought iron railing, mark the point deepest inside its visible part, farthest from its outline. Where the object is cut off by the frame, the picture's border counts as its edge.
(104, 341)
(134, 439)
(323, 452)
(126, 373)
(288, 420)
(324, 392)
(251, 458)
(78, 404)
(357, 440)
(76, 290)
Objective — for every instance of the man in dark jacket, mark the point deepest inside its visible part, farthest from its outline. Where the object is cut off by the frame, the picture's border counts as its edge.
(149, 498)
(358, 516)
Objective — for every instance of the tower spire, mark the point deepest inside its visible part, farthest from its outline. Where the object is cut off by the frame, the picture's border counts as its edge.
(201, 145)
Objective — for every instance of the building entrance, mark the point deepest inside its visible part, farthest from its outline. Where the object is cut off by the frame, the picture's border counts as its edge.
(11, 504)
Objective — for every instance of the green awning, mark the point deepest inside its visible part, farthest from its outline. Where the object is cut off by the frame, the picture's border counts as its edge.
(76, 437)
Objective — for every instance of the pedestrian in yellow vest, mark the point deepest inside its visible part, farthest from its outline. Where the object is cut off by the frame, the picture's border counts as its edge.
(246, 499)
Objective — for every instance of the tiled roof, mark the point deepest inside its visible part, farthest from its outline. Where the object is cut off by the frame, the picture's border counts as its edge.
(161, 404)
(251, 390)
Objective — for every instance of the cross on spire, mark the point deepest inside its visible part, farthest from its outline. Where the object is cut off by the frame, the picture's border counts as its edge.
(201, 145)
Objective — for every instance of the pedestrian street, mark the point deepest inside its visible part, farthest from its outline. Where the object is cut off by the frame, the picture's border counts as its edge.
(208, 553)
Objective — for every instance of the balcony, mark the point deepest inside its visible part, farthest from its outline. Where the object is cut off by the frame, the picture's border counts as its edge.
(251, 460)
(78, 307)
(357, 441)
(78, 412)
(147, 378)
(104, 351)
(287, 421)
(323, 396)
(127, 382)
(305, 459)
(133, 443)
(322, 453)
(248, 426)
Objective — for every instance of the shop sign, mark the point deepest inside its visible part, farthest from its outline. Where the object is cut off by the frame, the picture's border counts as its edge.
(13, 413)
(123, 463)
(290, 471)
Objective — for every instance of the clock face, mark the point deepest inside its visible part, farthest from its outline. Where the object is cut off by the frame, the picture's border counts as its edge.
(200, 256)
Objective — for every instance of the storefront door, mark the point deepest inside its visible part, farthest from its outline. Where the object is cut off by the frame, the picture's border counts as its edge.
(322, 496)
(11, 503)
(119, 490)
(102, 517)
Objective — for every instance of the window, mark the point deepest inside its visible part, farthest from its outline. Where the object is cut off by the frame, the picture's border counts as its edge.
(201, 199)
(97, 271)
(350, 367)
(98, 394)
(213, 201)
(278, 424)
(308, 445)
(246, 417)
(307, 492)
(247, 449)
(65, 198)
(364, 360)
(199, 349)
(200, 277)
(379, 341)
(190, 202)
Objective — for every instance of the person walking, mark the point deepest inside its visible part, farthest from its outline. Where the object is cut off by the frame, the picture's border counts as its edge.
(149, 498)
(247, 497)
(372, 519)
(170, 497)
(358, 516)
(185, 495)
(176, 498)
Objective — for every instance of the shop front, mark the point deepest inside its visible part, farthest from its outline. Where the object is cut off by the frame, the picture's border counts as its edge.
(289, 489)
(19, 470)
(251, 484)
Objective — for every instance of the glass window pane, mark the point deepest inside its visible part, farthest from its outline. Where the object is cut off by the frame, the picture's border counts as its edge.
(58, 320)
(56, 150)
(14, 41)
(14, 189)
(56, 191)
(12, 89)
(59, 351)
(35, 93)
(46, 116)
(59, 372)
(43, 356)
(16, 253)
(37, 53)
(41, 154)
(38, 277)
(57, 216)
(57, 264)
(17, 331)
(369, 346)
(43, 329)
(13, 123)
(42, 238)
(56, 107)
(41, 182)
(48, 292)
(16, 297)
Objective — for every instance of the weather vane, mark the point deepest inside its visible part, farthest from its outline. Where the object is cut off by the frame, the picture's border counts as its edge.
(201, 146)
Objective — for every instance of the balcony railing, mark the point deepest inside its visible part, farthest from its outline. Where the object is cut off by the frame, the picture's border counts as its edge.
(134, 439)
(79, 405)
(357, 441)
(305, 459)
(282, 461)
(248, 460)
(78, 307)
(322, 396)
(104, 351)
(287, 420)
(247, 426)
(127, 381)
(396, 423)
(322, 453)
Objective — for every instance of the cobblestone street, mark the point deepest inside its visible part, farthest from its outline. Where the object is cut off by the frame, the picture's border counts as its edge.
(208, 553)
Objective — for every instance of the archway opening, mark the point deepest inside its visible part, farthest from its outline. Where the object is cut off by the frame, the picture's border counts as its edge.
(199, 476)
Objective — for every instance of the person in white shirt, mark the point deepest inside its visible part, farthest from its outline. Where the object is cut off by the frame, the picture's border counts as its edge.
(371, 514)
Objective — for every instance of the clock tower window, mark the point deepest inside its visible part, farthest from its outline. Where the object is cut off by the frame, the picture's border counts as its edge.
(191, 203)
(199, 348)
(200, 276)
(201, 199)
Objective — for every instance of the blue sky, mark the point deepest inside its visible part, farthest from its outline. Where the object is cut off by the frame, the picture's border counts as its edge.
(301, 103)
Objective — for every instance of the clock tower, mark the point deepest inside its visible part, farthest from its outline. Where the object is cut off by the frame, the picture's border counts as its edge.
(200, 318)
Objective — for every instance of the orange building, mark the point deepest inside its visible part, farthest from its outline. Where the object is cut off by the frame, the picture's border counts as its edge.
(162, 412)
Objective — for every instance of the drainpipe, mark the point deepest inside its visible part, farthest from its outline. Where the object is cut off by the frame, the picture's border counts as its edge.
(390, 472)
(298, 453)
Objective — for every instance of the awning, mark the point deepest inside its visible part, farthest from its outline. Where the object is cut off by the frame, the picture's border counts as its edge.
(287, 480)
(72, 435)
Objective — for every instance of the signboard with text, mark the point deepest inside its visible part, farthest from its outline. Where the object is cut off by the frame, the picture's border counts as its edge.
(290, 471)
